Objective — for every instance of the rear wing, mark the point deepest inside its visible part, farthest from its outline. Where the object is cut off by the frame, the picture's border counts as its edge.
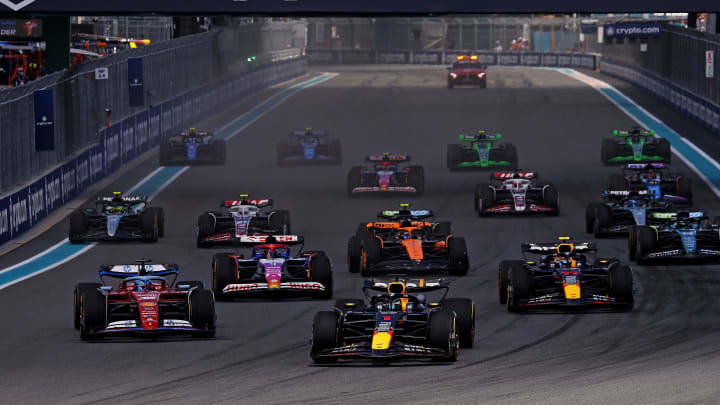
(123, 271)
(513, 175)
(130, 198)
(196, 134)
(386, 157)
(626, 193)
(310, 132)
(672, 216)
(481, 136)
(260, 203)
(255, 240)
(393, 215)
(411, 285)
(644, 166)
(548, 248)
(634, 132)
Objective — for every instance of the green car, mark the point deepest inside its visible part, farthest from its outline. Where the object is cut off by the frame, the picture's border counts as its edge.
(481, 152)
(635, 146)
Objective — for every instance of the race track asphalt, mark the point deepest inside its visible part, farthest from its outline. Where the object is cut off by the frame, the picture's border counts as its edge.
(665, 351)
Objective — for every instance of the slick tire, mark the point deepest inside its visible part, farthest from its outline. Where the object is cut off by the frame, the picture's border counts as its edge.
(646, 240)
(464, 309)
(93, 314)
(441, 334)
(416, 179)
(454, 156)
(484, 198)
(280, 222)
(458, 256)
(326, 335)
(202, 313)
(621, 285)
(519, 288)
(663, 150)
(206, 227)
(80, 289)
(160, 215)
(632, 242)
(354, 179)
(551, 198)
(149, 224)
(224, 272)
(503, 276)
(321, 272)
(371, 254)
(354, 254)
(78, 225)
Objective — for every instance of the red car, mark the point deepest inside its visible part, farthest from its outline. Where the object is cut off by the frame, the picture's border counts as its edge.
(467, 71)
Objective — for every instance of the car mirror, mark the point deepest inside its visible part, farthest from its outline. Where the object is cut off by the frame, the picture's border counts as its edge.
(183, 287)
(106, 288)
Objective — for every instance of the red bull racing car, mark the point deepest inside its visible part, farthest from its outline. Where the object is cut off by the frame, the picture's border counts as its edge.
(386, 177)
(516, 193)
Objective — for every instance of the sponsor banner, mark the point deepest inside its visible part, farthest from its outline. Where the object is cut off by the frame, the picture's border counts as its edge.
(53, 190)
(166, 120)
(588, 28)
(96, 162)
(127, 140)
(531, 59)
(392, 57)
(357, 57)
(36, 198)
(82, 173)
(44, 120)
(632, 30)
(19, 213)
(142, 142)
(187, 111)
(178, 118)
(111, 147)
(427, 58)
(69, 179)
(5, 234)
(154, 126)
(135, 82)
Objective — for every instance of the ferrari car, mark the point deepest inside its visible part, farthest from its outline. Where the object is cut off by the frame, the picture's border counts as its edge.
(636, 145)
(244, 217)
(395, 320)
(405, 213)
(409, 246)
(309, 147)
(117, 218)
(620, 211)
(271, 268)
(386, 176)
(565, 274)
(467, 71)
(481, 152)
(192, 147)
(145, 302)
(655, 178)
(686, 235)
(516, 193)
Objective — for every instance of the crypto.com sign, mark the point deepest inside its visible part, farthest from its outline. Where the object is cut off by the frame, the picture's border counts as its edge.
(280, 7)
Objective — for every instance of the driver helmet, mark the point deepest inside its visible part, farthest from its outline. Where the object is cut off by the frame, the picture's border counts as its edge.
(192, 131)
(117, 197)
(139, 285)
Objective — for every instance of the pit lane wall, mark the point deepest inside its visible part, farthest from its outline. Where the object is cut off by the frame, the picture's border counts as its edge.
(568, 60)
(140, 132)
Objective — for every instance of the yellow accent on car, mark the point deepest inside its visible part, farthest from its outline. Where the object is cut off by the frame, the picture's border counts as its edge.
(572, 291)
(381, 341)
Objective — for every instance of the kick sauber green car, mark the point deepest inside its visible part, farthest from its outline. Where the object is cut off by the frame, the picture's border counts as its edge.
(635, 146)
(481, 152)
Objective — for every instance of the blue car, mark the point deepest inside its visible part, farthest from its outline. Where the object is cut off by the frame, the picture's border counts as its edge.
(192, 147)
(656, 178)
(309, 147)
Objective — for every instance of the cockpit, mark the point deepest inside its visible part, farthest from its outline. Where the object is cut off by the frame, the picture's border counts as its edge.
(243, 210)
(144, 284)
(386, 167)
(309, 141)
(281, 252)
(516, 184)
(397, 300)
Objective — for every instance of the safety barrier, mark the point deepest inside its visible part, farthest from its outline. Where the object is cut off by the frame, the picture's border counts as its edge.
(125, 140)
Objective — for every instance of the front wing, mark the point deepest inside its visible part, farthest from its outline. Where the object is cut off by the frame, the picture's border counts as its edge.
(303, 287)
(397, 350)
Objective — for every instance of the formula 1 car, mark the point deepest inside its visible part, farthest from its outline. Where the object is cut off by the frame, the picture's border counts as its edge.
(147, 302)
(192, 147)
(395, 321)
(516, 193)
(620, 211)
(117, 218)
(271, 268)
(637, 145)
(568, 275)
(654, 178)
(386, 177)
(481, 153)
(467, 71)
(407, 246)
(243, 217)
(309, 147)
(675, 235)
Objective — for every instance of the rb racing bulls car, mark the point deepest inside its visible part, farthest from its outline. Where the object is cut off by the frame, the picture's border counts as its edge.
(241, 218)
(272, 269)
(396, 320)
(516, 193)
(146, 302)
(386, 177)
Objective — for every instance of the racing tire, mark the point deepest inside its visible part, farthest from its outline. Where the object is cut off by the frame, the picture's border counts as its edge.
(206, 227)
(280, 221)
(519, 288)
(354, 179)
(715, 220)
(551, 198)
(591, 216)
(354, 253)
(355, 303)
(511, 155)
(371, 254)
(149, 225)
(442, 229)
(78, 225)
(80, 289)
(646, 239)
(192, 283)
(321, 272)
(503, 276)
(621, 286)
(608, 151)
(160, 215)
(464, 309)
(282, 152)
(219, 150)
(326, 335)
(454, 156)
(663, 149)
(442, 334)
(224, 273)
(617, 182)
(484, 197)
(597, 217)
(165, 155)
(416, 179)
(202, 313)
(335, 151)
(458, 256)
(362, 233)
(632, 242)
(684, 188)
(93, 314)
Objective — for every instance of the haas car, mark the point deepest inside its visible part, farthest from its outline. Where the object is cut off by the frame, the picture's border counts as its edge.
(271, 268)
(516, 193)
(192, 147)
(635, 146)
(145, 302)
(309, 147)
(655, 178)
(405, 243)
(481, 152)
(620, 211)
(117, 218)
(386, 176)
(241, 218)
(467, 71)
(565, 274)
(675, 236)
(396, 320)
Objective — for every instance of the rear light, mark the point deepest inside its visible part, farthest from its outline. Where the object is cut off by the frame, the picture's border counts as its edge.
(453, 75)
(481, 75)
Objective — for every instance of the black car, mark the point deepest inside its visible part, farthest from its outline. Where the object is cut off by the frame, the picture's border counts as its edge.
(683, 235)
(516, 193)
(620, 211)
(655, 178)
(637, 145)
(192, 147)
